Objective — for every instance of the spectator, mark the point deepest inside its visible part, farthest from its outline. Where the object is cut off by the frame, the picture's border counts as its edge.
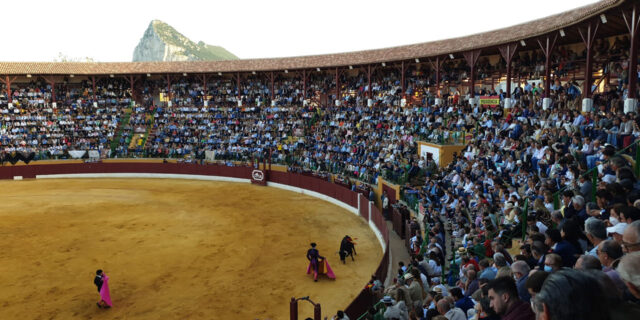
(395, 310)
(552, 262)
(415, 290)
(561, 247)
(631, 237)
(570, 294)
(538, 252)
(596, 232)
(471, 284)
(520, 270)
(629, 271)
(535, 282)
(609, 254)
(486, 272)
(451, 313)
(462, 301)
(503, 295)
(340, 315)
(588, 262)
(618, 308)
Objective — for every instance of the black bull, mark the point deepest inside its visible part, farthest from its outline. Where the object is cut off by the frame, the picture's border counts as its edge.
(347, 248)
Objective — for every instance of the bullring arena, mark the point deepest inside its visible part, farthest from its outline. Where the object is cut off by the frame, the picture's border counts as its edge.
(480, 149)
(174, 249)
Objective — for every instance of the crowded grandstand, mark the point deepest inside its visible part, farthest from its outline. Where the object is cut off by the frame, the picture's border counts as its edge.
(535, 216)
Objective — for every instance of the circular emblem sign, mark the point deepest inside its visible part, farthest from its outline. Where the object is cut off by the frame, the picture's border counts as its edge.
(257, 175)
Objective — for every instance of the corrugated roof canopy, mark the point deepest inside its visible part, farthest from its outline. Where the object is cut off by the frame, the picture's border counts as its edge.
(421, 50)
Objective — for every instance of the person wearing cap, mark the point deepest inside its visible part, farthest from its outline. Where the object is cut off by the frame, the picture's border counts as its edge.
(617, 231)
(390, 311)
(439, 287)
(415, 290)
(395, 310)
(508, 217)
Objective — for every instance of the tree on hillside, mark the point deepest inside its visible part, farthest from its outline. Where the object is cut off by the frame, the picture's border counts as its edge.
(63, 57)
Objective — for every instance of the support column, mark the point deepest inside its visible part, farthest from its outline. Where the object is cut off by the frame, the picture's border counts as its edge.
(369, 81)
(271, 78)
(507, 52)
(370, 71)
(403, 71)
(547, 45)
(403, 82)
(7, 81)
(304, 85)
(588, 38)
(437, 66)
(632, 22)
(204, 79)
(52, 82)
(168, 79)
(472, 59)
(93, 85)
(132, 80)
(239, 97)
(493, 85)
(338, 100)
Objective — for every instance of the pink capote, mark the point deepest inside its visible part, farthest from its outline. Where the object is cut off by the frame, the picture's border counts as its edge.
(326, 270)
(104, 291)
(330, 273)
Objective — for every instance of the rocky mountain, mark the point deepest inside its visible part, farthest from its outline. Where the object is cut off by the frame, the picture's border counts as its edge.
(161, 42)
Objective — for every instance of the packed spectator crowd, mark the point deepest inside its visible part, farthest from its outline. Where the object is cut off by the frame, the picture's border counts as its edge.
(543, 209)
(525, 174)
(31, 123)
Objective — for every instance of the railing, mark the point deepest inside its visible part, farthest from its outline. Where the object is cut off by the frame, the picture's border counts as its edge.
(411, 199)
(448, 137)
(404, 177)
(380, 308)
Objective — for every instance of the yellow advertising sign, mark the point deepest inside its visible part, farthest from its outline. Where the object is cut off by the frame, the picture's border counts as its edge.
(489, 100)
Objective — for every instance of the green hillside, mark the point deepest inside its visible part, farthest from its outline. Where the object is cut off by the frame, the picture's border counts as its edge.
(200, 50)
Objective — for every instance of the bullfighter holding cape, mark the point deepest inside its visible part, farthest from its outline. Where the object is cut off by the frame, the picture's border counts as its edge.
(102, 282)
(318, 264)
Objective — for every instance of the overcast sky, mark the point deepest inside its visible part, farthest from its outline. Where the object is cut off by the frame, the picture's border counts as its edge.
(110, 30)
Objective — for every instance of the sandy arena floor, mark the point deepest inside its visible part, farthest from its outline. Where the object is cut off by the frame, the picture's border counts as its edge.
(173, 249)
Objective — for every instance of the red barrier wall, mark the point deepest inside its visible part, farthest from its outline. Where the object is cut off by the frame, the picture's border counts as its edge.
(391, 192)
(398, 223)
(358, 306)
(364, 207)
(30, 171)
